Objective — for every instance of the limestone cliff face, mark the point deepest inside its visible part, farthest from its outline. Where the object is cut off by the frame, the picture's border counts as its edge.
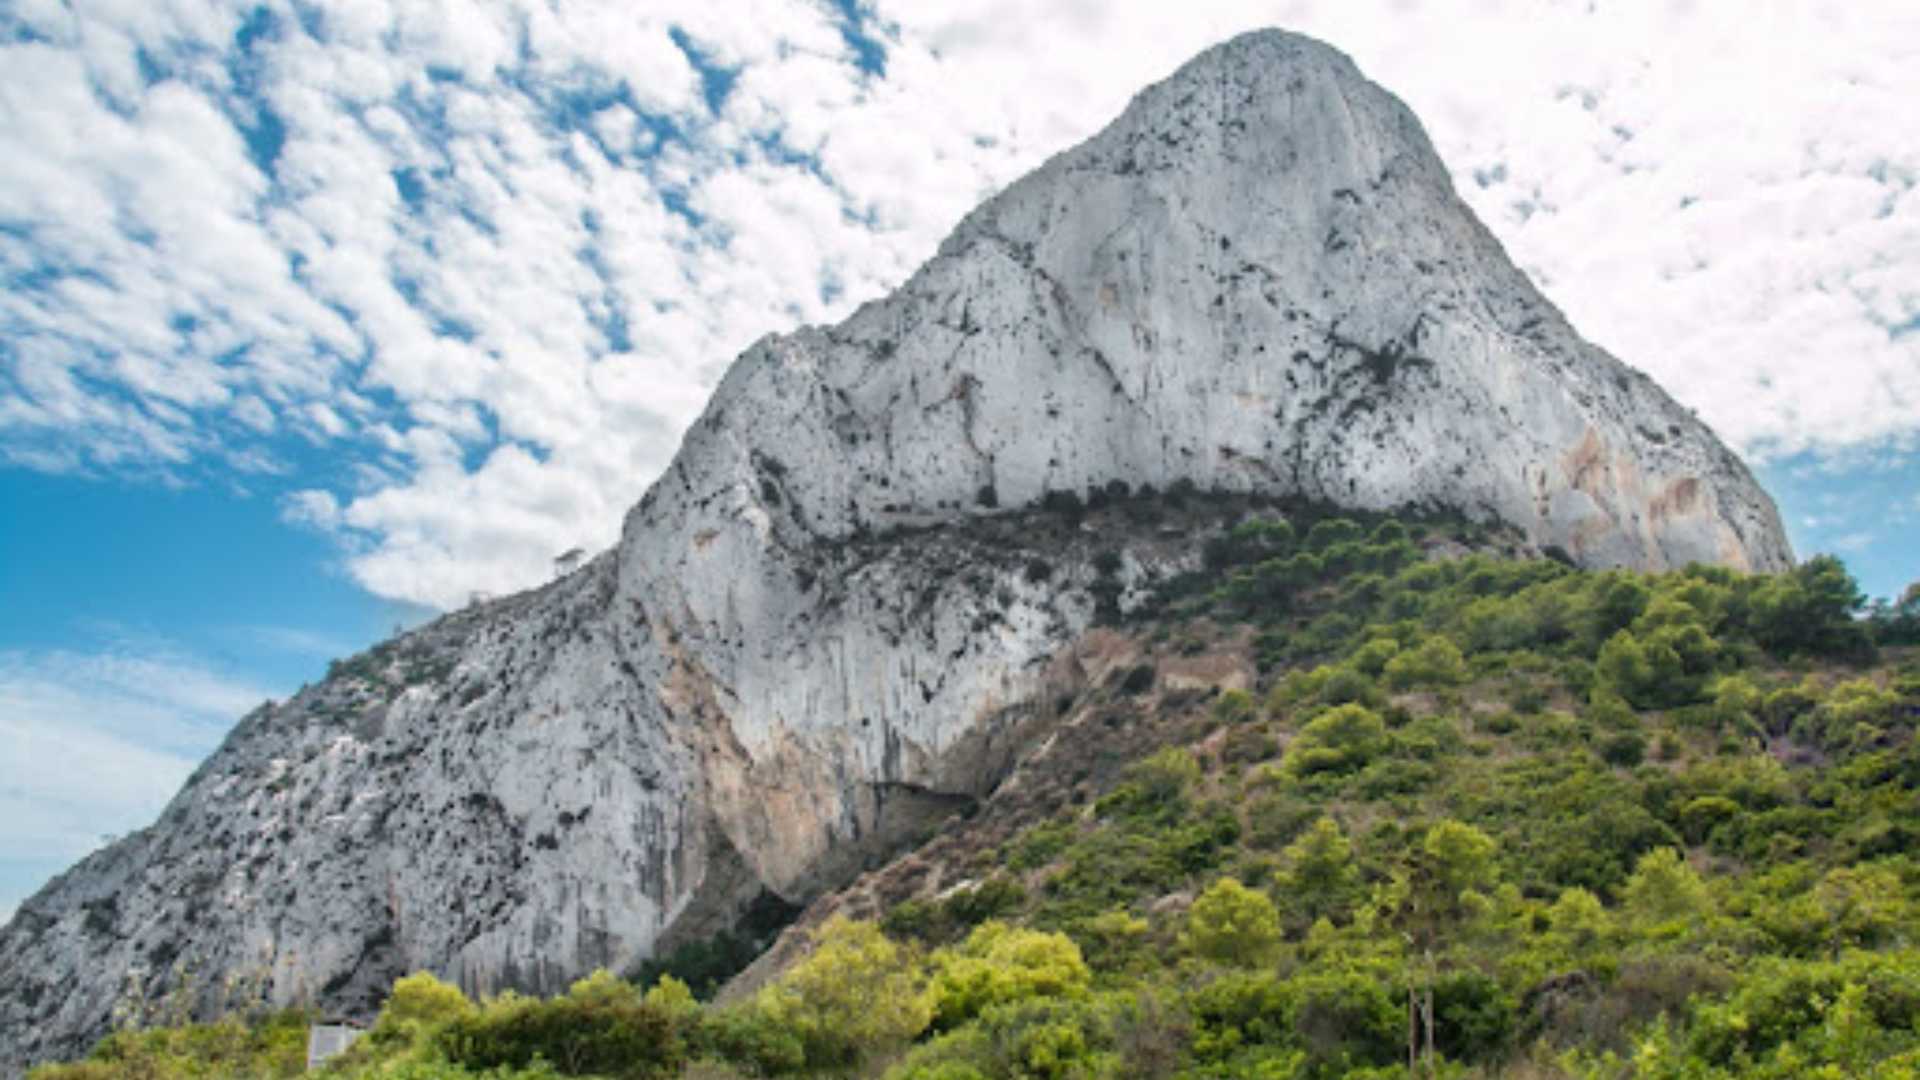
(824, 625)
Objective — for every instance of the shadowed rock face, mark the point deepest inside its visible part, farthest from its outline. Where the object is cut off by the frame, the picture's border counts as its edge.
(823, 625)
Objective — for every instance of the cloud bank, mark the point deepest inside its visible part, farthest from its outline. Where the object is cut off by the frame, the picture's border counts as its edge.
(451, 279)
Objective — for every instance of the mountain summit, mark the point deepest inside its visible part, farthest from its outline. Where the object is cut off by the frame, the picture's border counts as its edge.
(1258, 278)
(834, 619)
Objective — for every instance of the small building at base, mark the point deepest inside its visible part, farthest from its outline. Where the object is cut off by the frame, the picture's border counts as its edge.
(328, 1038)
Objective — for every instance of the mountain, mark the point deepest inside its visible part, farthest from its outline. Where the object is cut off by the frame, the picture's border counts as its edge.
(835, 619)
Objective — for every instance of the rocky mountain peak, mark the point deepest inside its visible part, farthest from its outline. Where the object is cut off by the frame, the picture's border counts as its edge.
(835, 618)
(1272, 111)
(1258, 278)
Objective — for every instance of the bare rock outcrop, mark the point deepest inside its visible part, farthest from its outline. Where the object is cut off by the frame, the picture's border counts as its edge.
(829, 624)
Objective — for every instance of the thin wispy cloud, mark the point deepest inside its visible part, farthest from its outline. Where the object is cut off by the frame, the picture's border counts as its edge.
(96, 743)
(296, 641)
(450, 280)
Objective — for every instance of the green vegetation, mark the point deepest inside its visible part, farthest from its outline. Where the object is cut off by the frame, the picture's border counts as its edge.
(1484, 817)
(268, 1047)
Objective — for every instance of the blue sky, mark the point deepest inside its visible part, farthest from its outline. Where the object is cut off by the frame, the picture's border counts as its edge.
(212, 573)
(316, 319)
(1867, 513)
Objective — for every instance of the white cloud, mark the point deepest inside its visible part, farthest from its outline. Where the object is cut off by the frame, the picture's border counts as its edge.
(101, 742)
(311, 507)
(505, 249)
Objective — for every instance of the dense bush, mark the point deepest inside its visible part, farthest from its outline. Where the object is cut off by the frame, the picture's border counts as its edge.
(855, 994)
(227, 1049)
(1232, 924)
(1436, 661)
(999, 964)
(601, 1027)
(1340, 740)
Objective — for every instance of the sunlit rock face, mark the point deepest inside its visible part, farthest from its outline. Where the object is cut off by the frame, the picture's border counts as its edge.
(829, 624)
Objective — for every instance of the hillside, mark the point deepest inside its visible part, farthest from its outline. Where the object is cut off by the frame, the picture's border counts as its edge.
(1585, 823)
(823, 628)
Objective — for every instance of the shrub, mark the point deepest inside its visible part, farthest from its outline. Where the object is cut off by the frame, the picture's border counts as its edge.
(1234, 707)
(1864, 906)
(1275, 818)
(990, 899)
(1664, 888)
(1809, 609)
(1328, 532)
(1339, 740)
(1247, 744)
(1389, 532)
(1048, 1039)
(1320, 879)
(855, 993)
(913, 919)
(672, 997)
(1528, 697)
(1296, 687)
(1699, 817)
(1116, 939)
(417, 1005)
(1039, 845)
(1232, 924)
(1249, 541)
(1114, 866)
(1780, 709)
(1370, 659)
(1625, 749)
(1346, 686)
(1853, 714)
(750, 1036)
(1622, 597)
(600, 1028)
(704, 964)
(1736, 702)
(1155, 787)
(1390, 777)
(998, 964)
(1867, 996)
(1496, 624)
(421, 998)
(1667, 668)
(1436, 661)
(1237, 1011)
(1474, 1018)
(268, 1049)
(1346, 1020)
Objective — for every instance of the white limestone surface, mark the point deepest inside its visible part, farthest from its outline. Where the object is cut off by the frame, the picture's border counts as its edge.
(811, 642)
